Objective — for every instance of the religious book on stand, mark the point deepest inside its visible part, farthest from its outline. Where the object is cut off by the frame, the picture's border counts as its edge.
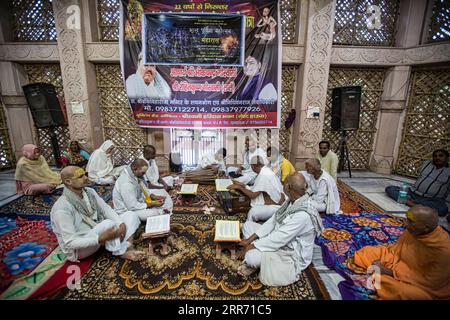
(157, 226)
(223, 184)
(188, 189)
(227, 231)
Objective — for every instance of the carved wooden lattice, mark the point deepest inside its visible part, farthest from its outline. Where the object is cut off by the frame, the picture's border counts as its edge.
(427, 122)
(354, 22)
(287, 104)
(6, 155)
(439, 29)
(49, 73)
(45, 143)
(288, 19)
(360, 142)
(108, 19)
(118, 123)
(32, 20)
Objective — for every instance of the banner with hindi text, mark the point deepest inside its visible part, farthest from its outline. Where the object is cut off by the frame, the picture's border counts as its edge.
(202, 64)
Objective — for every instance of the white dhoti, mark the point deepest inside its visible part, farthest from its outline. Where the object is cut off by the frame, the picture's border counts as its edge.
(168, 203)
(168, 180)
(261, 212)
(252, 257)
(111, 177)
(151, 212)
(115, 246)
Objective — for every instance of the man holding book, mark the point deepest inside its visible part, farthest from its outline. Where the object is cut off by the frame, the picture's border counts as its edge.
(266, 194)
(283, 246)
(131, 194)
(83, 222)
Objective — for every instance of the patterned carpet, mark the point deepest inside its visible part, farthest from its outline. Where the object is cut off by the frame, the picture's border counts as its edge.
(38, 207)
(24, 245)
(190, 271)
(362, 224)
(206, 200)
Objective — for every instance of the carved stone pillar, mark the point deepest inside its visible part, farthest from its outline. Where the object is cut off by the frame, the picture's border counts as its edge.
(410, 22)
(78, 75)
(311, 92)
(393, 103)
(18, 116)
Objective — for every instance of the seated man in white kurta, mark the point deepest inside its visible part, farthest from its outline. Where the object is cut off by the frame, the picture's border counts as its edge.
(283, 246)
(157, 185)
(266, 194)
(128, 193)
(213, 161)
(322, 188)
(83, 222)
(246, 172)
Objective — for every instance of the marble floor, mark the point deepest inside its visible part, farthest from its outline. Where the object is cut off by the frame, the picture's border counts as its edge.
(369, 184)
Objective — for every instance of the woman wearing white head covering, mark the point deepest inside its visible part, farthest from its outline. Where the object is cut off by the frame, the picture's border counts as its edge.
(100, 167)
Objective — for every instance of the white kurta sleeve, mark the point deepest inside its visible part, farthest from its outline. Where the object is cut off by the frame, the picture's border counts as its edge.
(130, 201)
(319, 199)
(65, 223)
(266, 227)
(109, 212)
(292, 226)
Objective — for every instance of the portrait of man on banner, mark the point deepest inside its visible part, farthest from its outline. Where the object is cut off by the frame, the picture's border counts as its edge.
(147, 82)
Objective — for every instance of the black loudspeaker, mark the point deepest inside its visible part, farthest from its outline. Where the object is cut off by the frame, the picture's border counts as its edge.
(44, 105)
(346, 103)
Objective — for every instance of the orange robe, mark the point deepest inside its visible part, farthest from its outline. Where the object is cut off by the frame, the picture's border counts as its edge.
(420, 264)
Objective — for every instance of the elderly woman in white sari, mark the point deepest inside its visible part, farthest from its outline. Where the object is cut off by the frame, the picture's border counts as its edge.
(100, 167)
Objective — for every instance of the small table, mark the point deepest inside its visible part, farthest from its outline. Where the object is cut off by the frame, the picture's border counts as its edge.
(232, 246)
(187, 199)
(159, 240)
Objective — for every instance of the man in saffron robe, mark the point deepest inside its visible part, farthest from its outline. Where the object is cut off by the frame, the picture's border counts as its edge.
(417, 266)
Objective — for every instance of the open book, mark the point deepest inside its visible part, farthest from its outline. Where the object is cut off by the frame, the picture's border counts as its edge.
(227, 231)
(188, 188)
(223, 184)
(157, 226)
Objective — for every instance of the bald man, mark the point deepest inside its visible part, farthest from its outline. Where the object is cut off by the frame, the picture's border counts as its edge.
(266, 194)
(130, 190)
(83, 222)
(245, 172)
(417, 266)
(283, 246)
(322, 188)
